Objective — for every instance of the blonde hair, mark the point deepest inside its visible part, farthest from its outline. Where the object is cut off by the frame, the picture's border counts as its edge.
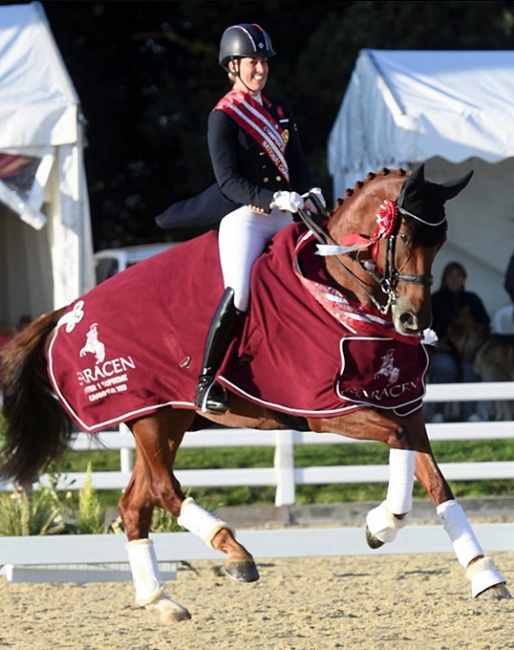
(231, 76)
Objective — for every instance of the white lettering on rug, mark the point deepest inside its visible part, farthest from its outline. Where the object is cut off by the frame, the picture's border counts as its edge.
(107, 376)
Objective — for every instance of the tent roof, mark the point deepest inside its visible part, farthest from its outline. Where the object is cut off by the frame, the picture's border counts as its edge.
(403, 107)
(37, 110)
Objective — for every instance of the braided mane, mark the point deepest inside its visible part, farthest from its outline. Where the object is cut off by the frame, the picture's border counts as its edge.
(367, 195)
(370, 176)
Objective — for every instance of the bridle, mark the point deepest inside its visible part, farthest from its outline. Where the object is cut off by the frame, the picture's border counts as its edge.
(390, 277)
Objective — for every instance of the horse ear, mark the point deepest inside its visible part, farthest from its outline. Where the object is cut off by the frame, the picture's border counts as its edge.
(415, 188)
(412, 189)
(417, 176)
(450, 189)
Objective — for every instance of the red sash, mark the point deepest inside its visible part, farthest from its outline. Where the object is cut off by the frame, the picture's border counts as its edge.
(255, 120)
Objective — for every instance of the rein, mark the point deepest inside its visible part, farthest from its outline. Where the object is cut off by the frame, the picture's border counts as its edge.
(390, 278)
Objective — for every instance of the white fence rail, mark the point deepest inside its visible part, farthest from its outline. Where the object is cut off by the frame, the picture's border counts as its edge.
(284, 475)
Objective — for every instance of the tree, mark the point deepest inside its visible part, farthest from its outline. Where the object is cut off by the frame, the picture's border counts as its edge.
(147, 75)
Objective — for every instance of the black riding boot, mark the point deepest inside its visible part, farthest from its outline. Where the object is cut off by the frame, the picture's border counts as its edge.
(210, 396)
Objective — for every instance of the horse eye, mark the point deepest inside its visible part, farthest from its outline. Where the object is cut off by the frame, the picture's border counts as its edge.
(405, 238)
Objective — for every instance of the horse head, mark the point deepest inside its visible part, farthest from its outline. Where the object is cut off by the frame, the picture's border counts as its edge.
(388, 230)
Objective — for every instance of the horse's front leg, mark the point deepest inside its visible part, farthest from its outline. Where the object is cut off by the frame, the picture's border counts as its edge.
(485, 578)
(384, 521)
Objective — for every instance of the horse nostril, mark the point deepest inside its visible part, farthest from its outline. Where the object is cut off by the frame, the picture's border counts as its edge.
(408, 320)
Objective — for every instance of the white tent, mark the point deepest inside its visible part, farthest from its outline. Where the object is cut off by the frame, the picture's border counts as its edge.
(453, 111)
(46, 253)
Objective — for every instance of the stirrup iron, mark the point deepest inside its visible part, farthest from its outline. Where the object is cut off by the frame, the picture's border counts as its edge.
(211, 397)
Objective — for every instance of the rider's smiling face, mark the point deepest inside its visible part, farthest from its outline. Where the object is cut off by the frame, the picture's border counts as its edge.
(253, 74)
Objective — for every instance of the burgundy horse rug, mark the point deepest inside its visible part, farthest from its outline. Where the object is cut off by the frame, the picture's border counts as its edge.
(134, 343)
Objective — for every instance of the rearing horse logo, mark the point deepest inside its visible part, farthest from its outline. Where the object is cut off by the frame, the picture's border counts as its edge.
(388, 369)
(93, 345)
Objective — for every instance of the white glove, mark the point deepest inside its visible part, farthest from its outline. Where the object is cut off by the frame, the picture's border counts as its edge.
(288, 201)
(316, 191)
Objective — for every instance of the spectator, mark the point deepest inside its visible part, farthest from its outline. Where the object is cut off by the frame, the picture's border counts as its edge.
(450, 303)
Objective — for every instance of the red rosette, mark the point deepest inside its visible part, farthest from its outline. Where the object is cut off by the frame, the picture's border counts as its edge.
(386, 219)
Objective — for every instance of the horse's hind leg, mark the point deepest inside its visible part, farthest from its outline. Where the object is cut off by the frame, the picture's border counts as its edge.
(485, 578)
(217, 534)
(153, 484)
(136, 507)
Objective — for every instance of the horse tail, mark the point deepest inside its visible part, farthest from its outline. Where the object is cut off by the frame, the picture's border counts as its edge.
(37, 428)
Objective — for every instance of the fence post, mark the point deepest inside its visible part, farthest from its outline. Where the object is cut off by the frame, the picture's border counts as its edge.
(283, 463)
(126, 455)
(126, 464)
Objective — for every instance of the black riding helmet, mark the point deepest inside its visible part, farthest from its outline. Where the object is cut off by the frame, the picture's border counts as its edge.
(244, 40)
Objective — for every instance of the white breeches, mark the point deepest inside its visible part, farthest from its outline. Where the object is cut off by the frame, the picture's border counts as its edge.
(243, 235)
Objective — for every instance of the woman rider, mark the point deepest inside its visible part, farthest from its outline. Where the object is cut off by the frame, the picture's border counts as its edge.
(257, 159)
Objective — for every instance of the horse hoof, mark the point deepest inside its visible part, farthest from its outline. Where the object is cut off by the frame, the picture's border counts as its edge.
(169, 611)
(373, 542)
(496, 592)
(242, 571)
(175, 616)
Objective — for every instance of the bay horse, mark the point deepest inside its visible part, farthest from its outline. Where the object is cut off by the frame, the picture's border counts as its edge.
(333, 342)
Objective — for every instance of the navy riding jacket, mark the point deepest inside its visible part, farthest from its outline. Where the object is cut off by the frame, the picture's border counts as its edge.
(244, 172)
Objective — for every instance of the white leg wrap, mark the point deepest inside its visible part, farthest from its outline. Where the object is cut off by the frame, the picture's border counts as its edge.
(483, 574)
(456, 524)
(383, 524)
(145, 571)
(402, 463)
(201, 523)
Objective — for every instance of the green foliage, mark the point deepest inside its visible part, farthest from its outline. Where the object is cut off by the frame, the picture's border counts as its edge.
(90, 517)
(36, 513)
(164, 522)
(48, 511)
